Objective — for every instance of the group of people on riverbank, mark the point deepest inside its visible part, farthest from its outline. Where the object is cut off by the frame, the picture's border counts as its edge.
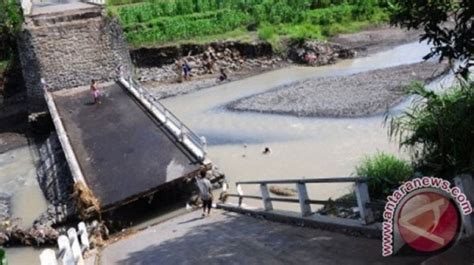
(209, 60)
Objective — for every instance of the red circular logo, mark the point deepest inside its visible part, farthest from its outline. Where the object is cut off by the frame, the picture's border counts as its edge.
(428, 221)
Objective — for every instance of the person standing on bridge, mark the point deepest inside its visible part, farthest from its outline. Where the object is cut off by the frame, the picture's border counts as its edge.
(205, 192)
(95, 92)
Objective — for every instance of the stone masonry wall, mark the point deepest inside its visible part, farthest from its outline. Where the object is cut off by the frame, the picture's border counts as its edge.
(68, 54)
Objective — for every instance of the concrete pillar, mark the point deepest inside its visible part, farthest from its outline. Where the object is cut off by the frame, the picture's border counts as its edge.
(267, 203)
(362, 193)
(303, 198)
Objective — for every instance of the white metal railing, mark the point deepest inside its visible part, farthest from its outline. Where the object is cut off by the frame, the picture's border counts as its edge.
(71, 248)
(26, 5)
(361, 190)
(97, 2)
(194, 143)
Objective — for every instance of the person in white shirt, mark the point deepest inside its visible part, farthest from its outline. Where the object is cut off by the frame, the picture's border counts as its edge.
(205, 192)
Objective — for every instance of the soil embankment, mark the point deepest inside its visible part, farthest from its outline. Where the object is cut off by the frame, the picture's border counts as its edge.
(356, 95)
(161, 68)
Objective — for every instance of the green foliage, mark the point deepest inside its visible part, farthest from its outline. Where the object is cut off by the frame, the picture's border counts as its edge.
(301, 31)
(167, 29)
(384, 173)
(439, 130)
(452, 42)
(3, 65)
(10, 23)
(159, 21)
(3, 257)
(266, 32)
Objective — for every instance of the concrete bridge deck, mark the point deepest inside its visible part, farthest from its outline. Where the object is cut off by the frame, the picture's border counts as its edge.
(122, 150)
(230, 238)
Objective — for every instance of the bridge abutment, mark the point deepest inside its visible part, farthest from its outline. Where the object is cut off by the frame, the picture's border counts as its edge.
(69, 47)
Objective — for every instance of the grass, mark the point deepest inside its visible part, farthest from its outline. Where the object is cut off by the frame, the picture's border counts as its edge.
(239, 34)
(384, 173)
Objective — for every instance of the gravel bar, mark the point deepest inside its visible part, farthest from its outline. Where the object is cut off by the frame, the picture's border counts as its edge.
(357, 95)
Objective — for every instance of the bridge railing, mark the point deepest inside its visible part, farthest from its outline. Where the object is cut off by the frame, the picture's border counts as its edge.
(361, 191)
(71, 248)
(197, 145)
(97, 2)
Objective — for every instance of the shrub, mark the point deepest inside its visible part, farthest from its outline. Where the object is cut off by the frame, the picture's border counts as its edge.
(384, 172)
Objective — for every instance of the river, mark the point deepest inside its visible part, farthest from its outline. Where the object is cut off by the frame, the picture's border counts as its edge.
(301, 147)
(18, 181)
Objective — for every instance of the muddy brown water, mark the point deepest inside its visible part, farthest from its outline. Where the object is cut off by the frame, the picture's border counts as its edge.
(301, 147)
(18, 181)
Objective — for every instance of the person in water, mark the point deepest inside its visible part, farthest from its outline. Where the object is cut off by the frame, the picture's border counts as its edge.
(95, 92)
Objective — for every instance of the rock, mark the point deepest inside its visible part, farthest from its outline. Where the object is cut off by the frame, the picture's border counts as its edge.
(317, 53)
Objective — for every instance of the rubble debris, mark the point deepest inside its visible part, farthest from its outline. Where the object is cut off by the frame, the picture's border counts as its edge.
(283, 191)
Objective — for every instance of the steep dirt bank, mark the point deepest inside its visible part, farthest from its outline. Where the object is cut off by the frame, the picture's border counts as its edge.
(356, 95)
(161, 68)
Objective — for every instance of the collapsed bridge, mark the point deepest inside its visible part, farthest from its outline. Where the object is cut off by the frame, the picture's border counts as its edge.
(129, 146)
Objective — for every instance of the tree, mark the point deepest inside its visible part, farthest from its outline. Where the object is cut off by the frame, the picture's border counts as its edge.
(439, 131)
(447, 24)
(10, 23)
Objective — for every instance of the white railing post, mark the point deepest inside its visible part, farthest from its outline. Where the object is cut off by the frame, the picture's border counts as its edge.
(26, 6)
(166, 116)
(303, 198)
(75, 246)
(65, 251)
(182, 133)
(267, 203)
(362, 194)
(48, 257)
(204, 144)
(241, 193)
(84, 236)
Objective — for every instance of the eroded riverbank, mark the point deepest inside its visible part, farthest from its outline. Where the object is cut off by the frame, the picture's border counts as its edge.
(253, 59)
